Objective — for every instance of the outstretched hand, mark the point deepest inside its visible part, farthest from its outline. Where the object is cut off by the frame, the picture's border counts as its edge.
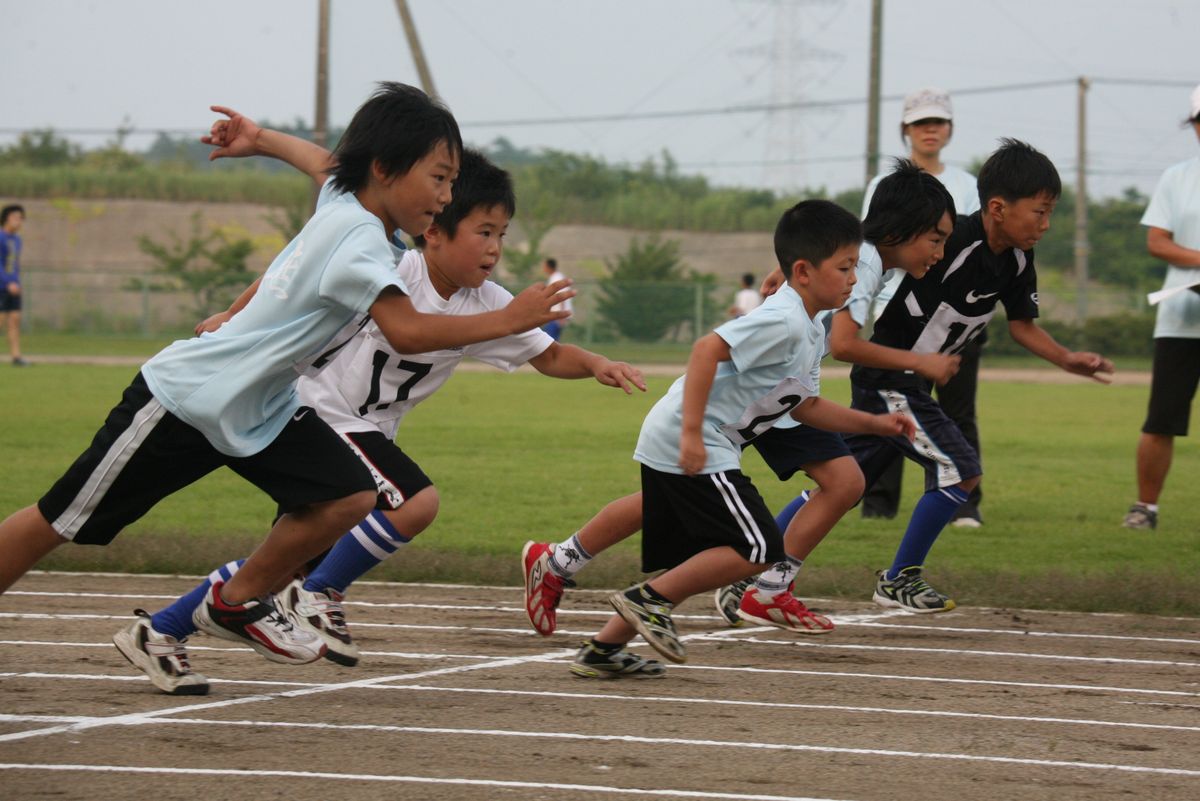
(534, 307)
(619, 374)
(1090, 365)
(235, 137)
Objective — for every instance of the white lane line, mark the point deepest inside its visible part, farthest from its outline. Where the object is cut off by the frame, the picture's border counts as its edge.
(139, 718)
(1019, 632)
(952, 651)
(368, 777)
(668, 699)
(687, 742)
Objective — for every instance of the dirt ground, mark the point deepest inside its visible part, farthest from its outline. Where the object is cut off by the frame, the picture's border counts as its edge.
(457, 698)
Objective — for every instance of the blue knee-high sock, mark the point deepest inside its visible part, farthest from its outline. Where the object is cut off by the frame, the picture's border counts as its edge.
(933, 511)
(359, 550)
(176, 619)
(784, 518)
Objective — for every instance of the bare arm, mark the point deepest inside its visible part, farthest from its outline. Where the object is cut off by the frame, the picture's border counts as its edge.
(829, 416)
(239, 137)
(846, 345)
(220, 318)
(410, 331)
(1034, 338)
(1162, 245)
(707, 353)
(569, 361)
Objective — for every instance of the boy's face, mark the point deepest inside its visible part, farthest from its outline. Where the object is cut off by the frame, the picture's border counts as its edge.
(923, 251)
(12, 223)
(927, 137)
(828, 285)
(1022, 223)
(467, 259)
(410, 200)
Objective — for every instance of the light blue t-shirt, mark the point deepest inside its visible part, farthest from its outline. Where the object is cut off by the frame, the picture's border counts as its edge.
(236, 385)
(962, 188)
(871, 281)
(1175, 207)
(775, 364)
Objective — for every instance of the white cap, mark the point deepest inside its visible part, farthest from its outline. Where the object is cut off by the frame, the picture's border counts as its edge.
(1195, 103)
(927, 103)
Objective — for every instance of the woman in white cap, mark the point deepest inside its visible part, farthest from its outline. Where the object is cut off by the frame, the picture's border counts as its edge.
(926, 126)
(1172, 223)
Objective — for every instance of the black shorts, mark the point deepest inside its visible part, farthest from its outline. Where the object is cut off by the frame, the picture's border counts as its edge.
(143, 453)
(788, 450)
(8, 301)
(1173, 386)
(684, 515)
(939, 447)
(397, 477)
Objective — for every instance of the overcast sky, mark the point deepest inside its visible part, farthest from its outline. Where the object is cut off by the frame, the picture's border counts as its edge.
(159, 63)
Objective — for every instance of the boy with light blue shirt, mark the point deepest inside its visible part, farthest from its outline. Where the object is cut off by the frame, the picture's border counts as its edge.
(704, 523)
(228, 398)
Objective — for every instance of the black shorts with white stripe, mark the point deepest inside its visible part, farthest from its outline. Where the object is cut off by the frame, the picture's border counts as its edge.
(939, 445)
(685, 515)
(143, 453)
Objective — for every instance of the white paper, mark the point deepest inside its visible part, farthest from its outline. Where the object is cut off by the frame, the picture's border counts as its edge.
(1163, 294)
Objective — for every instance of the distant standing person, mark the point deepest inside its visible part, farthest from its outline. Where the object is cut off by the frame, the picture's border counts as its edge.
(555, 327)
(926, 127)
(11, 219)
(1173, 234)
(747, 299)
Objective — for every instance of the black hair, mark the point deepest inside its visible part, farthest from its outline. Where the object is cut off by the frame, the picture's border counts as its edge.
(747, 279)
(813, 230)
(398, 126)
(906, 204)
(7, 210)
(1015, 171)
(552, 263)
(480, 184)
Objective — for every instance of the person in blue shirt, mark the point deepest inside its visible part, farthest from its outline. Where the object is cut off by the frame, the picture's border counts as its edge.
(11, 219)
(228, 398)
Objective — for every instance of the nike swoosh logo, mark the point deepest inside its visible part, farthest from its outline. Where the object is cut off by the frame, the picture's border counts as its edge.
(300, 414)
(973, 298)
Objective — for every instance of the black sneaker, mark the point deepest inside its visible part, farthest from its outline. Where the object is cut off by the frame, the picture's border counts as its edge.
(1141, 516)
(729, 598)
(909, 591)
(593, 663)
(652, 619)
(19, 362)
(259, 625)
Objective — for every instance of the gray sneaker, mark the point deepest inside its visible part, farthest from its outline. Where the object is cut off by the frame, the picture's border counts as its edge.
(1141, 517)
(652, 619)
(909, 591)
(160, 656)
(322, 614)
(592, 663)
(729, 598)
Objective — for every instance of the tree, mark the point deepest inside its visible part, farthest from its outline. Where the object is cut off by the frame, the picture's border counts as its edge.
(40, 148)
(649, 291)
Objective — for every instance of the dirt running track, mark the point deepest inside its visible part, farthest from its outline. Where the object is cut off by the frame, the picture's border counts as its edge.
(456, 698)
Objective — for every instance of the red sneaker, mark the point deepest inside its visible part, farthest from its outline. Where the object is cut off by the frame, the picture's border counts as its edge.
(784, 611)
(543, 589)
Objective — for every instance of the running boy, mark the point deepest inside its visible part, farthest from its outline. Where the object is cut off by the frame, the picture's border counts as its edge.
(988, 260)
(229, 398)
(906, 230)
(704, 522)
(365, 393)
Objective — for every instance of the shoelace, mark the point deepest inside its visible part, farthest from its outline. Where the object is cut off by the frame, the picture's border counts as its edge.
(332, 610)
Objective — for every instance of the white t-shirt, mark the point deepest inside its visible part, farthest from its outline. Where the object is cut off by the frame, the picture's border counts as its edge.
(746, 301)
(962, 188)
(368, 386)
(1175, 207)
(775, 364)
(236, 385)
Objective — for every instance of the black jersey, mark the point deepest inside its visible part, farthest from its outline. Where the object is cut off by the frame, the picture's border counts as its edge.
(951, 306)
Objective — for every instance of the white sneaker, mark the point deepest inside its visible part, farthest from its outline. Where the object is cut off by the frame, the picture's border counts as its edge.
(259, 625)
(321, 614)
(160, 656)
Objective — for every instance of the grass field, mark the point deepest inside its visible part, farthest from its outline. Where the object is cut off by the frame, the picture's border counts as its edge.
(521, 456)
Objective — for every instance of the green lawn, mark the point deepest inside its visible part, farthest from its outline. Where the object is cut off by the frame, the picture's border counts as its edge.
(522, 456)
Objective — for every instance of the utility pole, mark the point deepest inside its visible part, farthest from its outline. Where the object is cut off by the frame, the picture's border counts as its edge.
(414, 44)
(873, 90)
(321, 110)
(1081, 201)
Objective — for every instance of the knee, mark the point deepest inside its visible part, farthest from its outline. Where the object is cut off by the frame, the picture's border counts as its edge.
(420, 511)
(351, 509)
(843, 483)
